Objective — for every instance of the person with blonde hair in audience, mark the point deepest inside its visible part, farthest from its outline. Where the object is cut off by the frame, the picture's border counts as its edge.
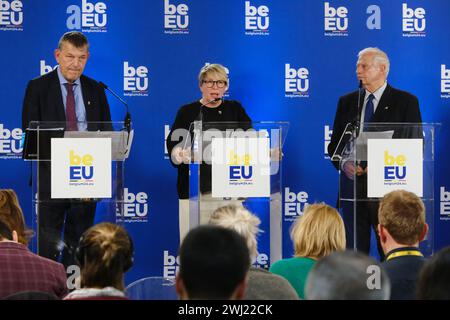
(104, 254)
(401, 227)
(316, 234)
(11, 213)
(262, 285)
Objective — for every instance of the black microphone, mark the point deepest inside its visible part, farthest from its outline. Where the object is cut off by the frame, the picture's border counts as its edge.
(127, 120)
(205, 104)
(200, 117)
(358, 111)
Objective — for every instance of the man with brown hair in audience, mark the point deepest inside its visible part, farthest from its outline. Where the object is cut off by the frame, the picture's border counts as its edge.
(402, 226)
(23, 271)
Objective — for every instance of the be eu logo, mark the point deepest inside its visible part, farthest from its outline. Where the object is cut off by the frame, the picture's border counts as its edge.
(10, 143)
(256, 20)
(241, 171)
(176, 18)
(89, 18)
(11, 15)
(335, 20)
(135, 80)
(394, 169)
(135, 207)
(445, 82)
(414, 22)
(296, 82)
(81, 169)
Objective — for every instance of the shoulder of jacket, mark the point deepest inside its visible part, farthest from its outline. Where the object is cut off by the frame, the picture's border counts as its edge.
(401, 93)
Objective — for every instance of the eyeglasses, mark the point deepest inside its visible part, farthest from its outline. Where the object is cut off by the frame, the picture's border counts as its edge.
(211, 83)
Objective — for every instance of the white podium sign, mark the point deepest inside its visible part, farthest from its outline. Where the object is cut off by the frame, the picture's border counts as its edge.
(240, 167)
(80, 168)
(394, 164)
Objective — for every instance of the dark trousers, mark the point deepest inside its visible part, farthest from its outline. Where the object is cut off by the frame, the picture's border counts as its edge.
(358, 226)
(60, 226)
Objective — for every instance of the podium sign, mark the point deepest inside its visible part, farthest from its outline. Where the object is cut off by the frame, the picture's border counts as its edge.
(240, 167)
(394, 164)
(80, 168)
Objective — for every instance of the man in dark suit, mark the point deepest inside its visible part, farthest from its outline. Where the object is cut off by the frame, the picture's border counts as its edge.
(402, 226)
(72, 101)
(379, 103)
(22, 270)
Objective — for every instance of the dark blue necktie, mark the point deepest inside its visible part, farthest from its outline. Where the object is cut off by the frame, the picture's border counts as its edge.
(368, 114)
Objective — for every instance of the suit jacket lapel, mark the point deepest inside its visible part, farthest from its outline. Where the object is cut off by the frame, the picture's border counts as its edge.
(87, 94)
(56, 96)
(384, 106)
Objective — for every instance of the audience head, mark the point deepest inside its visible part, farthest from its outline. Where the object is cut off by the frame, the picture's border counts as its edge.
(11, 213)
(434, 280)
(347, 275)
(401, 217)
(214, 262)
(318, 232)
(5, 232)
(105, 253)
(240, 220)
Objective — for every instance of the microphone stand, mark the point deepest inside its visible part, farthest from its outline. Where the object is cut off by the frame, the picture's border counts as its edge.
(200, 116)
(127, 119)
(356, 126)
(351, 130)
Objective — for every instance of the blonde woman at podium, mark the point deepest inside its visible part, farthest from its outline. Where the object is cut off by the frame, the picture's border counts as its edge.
(211, 107)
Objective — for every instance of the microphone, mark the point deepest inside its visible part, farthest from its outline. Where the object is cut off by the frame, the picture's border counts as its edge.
(200, 117)
(358, 111)
(205, 104)
(127, 120)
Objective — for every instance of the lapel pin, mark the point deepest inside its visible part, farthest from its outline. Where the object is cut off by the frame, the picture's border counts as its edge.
(89, 103)
(385, 108)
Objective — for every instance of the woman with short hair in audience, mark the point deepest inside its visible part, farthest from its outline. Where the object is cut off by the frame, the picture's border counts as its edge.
(262, 285)
(11, 213)
(104, 254)
(316, 234)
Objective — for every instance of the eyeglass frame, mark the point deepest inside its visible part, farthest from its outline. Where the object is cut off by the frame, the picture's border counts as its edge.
(216, 82)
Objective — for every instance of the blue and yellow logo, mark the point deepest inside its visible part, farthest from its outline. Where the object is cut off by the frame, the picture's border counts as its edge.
(81, 169)
(240, 169)
(394, 168)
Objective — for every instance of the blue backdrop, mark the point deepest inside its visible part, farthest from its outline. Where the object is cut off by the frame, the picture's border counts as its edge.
(288, 61)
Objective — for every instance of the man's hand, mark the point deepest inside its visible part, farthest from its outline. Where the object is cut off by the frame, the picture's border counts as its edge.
(349, 169)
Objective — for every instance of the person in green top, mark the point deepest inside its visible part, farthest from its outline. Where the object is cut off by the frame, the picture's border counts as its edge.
(316, 234)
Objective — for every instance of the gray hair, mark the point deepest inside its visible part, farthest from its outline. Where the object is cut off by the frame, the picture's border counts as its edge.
(379, 56)
(347, 275)
(240, 220)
